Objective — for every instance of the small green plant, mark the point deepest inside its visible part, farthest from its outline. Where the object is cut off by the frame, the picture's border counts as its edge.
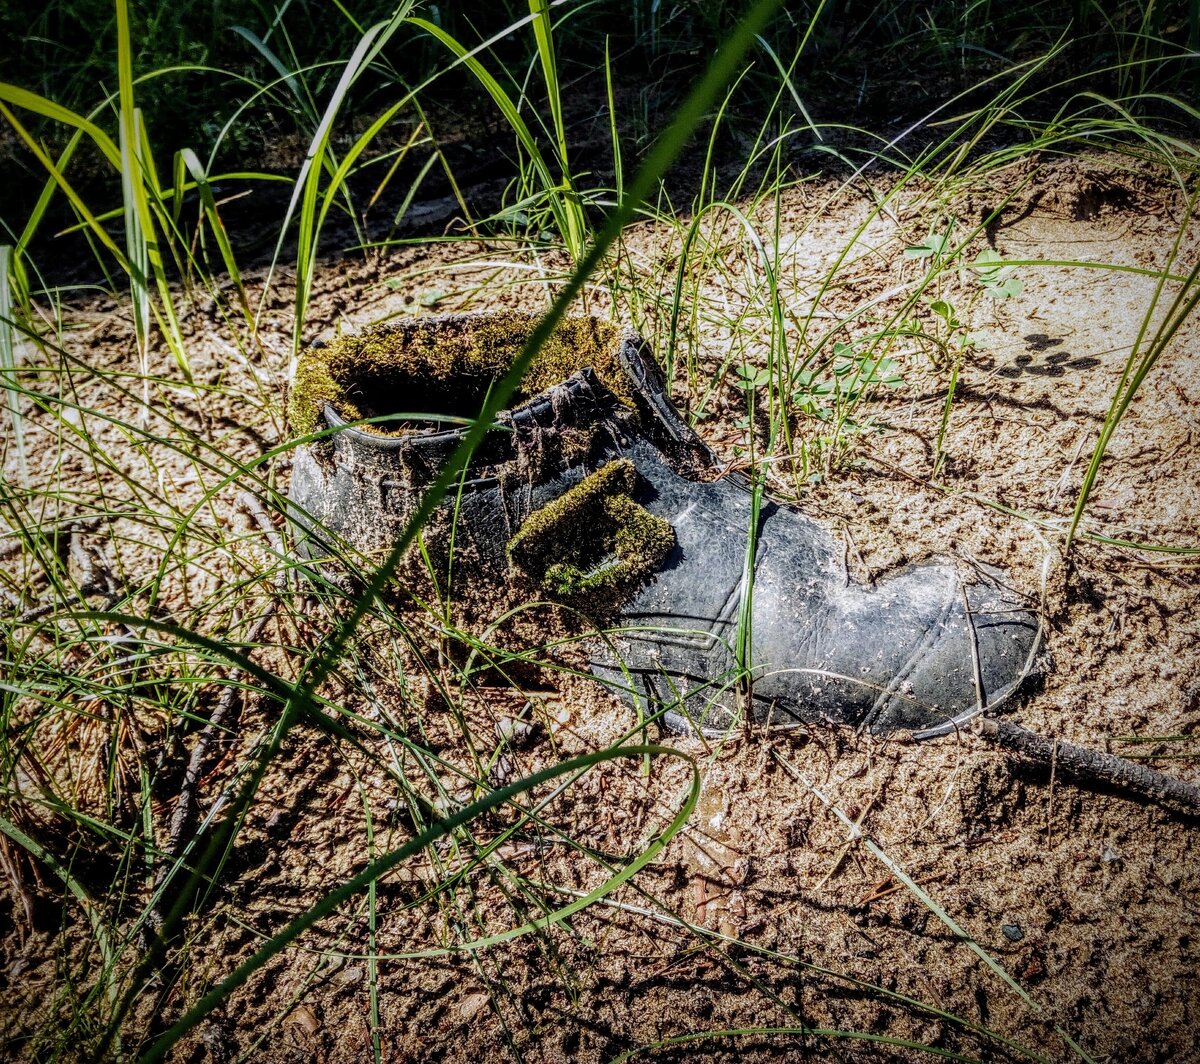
(935, 247)
(996, 279)
(831, 393)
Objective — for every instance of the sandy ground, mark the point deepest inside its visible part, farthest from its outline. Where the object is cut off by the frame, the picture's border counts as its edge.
(1053, 912)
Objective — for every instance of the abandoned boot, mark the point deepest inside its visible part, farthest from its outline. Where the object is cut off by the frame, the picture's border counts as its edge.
(592, 490)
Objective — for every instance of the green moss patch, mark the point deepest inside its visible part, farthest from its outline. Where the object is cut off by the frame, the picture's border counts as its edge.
(594, 537)
(443, 367)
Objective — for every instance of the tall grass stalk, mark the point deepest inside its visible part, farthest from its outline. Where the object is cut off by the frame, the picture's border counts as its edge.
(1142, 358)
(139, 184)
(308, 185)
(575, 235)
(558, 193)
(8, 365)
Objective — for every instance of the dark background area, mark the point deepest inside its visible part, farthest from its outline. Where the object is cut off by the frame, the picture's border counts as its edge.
(861, 71)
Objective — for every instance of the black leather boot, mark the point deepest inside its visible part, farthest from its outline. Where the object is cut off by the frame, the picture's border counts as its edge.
(592, 490)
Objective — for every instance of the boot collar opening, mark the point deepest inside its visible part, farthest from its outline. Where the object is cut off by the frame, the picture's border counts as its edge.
(579, 401)
(445, 365)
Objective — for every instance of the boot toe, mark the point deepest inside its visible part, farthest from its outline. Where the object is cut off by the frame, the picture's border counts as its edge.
(983, 652)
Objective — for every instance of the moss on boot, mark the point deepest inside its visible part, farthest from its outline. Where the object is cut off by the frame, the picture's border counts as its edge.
(444, 367)
(603, 541)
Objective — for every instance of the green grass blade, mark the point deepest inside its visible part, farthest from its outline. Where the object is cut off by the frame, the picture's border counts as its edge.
(216, 226)
(307, 190)
(8, 364)
(572, 211)
(430, 835)
(74, 887)
(39, 105)
(512, 115)
(288, 77)
(60, 180)
(36, 216)
(785, 74)
(136, 249)
(140, 188)
(618, 168)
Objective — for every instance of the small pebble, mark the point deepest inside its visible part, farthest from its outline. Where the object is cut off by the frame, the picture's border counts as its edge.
(472, 1005)
(1013, 932)
(304, 1018)
(514, 731)
(501, 771)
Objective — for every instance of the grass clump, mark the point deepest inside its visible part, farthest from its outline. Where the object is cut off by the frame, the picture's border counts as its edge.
(444, 365)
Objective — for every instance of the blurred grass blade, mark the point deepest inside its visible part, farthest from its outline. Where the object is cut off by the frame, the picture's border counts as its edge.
(307, 189)
(8, 365)
(381, 866)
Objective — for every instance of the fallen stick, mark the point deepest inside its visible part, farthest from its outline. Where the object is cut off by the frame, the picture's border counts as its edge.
(1085, 764)
(185, 804)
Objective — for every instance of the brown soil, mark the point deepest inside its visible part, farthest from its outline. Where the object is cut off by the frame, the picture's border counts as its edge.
(766, 911)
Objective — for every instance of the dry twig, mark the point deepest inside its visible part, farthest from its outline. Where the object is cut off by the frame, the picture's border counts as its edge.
(183, 814)
(1082, 763)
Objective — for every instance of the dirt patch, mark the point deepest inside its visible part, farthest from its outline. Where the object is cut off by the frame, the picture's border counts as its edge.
(767, 911)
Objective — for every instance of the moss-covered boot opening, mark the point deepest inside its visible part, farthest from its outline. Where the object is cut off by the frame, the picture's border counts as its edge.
(444, 368)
